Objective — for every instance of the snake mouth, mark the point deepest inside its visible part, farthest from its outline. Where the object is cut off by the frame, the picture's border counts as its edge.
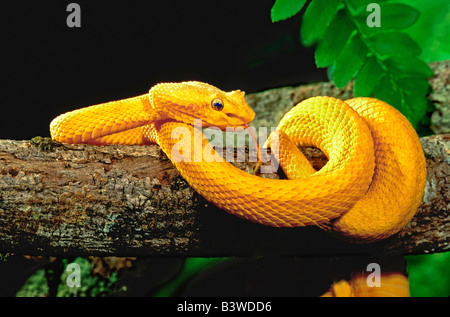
(231, 121)
(242, 121)
(233, 115)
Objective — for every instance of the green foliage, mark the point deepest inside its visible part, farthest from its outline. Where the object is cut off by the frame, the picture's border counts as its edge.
(4, 256)
(284, 9)
(429, 274)
(386, 62)
(316, 20)
(91, 286)
(191, 267)
(35, 286)
(431, 31)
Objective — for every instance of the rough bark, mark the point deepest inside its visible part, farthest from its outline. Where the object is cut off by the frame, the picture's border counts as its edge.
(129, 201)
(86, 200)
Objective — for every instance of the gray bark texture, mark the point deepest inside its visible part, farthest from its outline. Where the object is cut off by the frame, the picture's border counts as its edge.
(59, 199)
(129, 200)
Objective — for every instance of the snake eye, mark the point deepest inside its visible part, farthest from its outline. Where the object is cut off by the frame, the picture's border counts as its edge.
(217, 104)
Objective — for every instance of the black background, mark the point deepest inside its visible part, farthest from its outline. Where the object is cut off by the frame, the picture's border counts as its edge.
(124, 47)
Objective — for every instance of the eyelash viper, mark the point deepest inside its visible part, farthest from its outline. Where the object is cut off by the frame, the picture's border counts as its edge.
(370, 188)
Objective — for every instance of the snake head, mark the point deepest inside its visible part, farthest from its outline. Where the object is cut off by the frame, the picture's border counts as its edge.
(186, 101)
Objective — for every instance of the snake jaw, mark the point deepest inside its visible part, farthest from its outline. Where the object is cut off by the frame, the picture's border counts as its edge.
(178, 102)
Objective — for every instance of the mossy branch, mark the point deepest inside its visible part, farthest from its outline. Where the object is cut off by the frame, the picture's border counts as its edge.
(131, 201)
(128, 201)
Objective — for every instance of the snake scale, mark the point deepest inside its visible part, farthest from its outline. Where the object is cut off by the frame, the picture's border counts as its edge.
(369, 189)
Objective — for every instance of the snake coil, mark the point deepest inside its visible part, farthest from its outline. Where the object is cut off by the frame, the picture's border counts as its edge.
(370, 188)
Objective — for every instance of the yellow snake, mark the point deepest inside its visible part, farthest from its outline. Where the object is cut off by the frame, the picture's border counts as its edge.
(369, 189)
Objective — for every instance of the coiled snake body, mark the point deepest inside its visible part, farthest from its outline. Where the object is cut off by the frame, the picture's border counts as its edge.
(370, 188)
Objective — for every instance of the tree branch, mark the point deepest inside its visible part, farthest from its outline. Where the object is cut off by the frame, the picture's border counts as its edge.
(60, 199)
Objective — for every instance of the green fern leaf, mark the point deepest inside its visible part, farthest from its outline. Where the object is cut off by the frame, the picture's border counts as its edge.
(284, 9)
(367, 78)
(394, 16)
(316, 19)
(332, 43)
(348, 63)
(383, 61)
(394, 44)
